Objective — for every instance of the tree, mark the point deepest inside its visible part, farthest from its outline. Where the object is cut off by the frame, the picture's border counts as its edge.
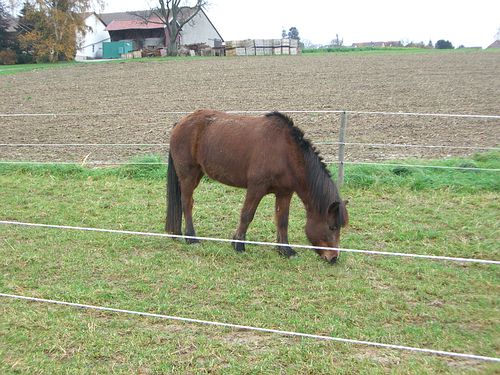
(4, 25)
(7, 38)
(53, 27)
(309, 45)
(174, 15)
(293, 33)
(443, 44)
(337, 42)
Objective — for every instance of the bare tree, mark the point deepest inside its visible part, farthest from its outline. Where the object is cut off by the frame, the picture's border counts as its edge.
(337, 42)
(174, 14)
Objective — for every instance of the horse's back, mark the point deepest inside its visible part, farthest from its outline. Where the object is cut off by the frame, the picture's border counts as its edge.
(235, 150)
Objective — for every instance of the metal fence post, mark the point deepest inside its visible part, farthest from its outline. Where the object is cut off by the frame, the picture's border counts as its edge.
(343, 125)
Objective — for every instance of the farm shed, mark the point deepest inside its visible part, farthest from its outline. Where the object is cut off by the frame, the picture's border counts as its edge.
(141, 34)
(132, 27)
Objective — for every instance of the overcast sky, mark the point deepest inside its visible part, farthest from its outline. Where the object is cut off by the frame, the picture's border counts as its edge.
(465, 22)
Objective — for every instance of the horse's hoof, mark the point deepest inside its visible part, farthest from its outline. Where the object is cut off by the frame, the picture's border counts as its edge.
(287, 251)
(191, 241)
(239, 247)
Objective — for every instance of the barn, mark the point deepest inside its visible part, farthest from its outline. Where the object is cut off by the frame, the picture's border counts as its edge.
(143, 31)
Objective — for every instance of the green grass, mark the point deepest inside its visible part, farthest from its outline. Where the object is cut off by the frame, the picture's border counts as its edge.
(416, 178)
(21, 68)
(438, 305)
(365, 49)
(404, 50)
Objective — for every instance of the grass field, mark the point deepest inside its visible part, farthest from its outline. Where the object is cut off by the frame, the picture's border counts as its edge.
(21, 68)
(439, 305)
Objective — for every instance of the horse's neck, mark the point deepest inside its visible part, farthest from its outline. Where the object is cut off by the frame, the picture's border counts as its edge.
(313, 184)
(316, 198)
(304, 193)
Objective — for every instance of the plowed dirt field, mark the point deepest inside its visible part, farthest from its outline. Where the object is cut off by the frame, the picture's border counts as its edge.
(128, 102)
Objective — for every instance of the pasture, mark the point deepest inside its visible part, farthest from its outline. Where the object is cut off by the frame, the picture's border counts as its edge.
(449, 306)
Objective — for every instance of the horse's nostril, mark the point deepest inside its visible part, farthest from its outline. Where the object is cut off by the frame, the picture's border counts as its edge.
(333, 260)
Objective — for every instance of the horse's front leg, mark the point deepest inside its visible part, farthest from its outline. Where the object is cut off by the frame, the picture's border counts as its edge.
(282, 210)
(252, 200)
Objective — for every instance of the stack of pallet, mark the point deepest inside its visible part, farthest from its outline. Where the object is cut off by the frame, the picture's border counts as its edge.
(240, 47)
(261, 47)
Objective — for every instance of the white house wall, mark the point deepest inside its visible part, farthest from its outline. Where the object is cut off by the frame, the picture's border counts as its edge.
(91, 44)
(199, 30)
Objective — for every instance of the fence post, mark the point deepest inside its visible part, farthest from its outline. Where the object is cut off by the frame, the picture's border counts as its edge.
(343, 125)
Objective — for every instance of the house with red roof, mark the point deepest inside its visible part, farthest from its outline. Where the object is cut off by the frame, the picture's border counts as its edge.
(143, 30)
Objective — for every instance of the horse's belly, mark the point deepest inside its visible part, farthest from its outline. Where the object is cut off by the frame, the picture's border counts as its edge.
(225, 170)
(228, 180)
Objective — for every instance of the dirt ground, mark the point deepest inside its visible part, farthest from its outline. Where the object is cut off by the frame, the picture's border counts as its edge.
(126, 102)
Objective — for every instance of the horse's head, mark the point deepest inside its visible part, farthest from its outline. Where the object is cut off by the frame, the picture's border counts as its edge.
(324, 230)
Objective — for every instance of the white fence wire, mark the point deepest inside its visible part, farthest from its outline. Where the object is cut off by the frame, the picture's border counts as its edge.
(380, 145)
(262, 243)
(341, 163)
(258, 329)
(326, 111)
(107, 163)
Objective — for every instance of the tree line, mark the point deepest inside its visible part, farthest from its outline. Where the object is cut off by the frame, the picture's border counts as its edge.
(44, 31)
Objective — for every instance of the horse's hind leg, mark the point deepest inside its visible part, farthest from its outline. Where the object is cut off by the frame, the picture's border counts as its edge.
(282, 210)
(188, 184)
(252, 200)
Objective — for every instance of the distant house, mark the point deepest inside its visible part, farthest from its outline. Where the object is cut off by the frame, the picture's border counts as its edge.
(143, 31)
(495, 44)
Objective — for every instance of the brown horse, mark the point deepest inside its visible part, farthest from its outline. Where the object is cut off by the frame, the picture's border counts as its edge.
(266, 154)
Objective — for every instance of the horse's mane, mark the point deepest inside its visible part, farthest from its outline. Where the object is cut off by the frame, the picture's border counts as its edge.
(323, 191)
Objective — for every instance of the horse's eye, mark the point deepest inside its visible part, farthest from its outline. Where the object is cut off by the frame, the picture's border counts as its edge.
(334, 228)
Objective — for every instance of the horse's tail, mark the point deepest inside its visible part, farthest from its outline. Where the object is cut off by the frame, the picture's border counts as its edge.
(174, 206)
